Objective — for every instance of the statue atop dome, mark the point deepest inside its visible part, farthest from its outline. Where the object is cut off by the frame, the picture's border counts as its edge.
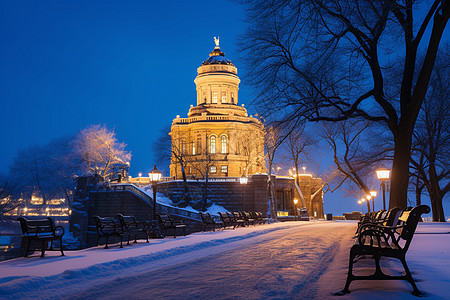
(216, 41)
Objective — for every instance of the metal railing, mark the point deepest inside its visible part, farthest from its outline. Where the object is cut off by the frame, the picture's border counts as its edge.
(160, 207)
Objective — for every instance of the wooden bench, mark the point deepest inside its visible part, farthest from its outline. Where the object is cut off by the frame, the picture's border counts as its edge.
(227, 221)
(132, 227)
(209, 223)
(386, 241)
(108, 227)
(43, 231)
(237, 218)
(167, 222)
(258, 216)
(383, 217)
(248, 219)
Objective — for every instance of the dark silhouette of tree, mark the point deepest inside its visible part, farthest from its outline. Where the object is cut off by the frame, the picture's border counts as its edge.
(430, 163)
(355, 154)
(327, 61)
(174, 149)
(9, 196)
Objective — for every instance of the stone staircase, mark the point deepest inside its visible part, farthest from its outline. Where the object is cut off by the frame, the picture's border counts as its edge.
(160, 207)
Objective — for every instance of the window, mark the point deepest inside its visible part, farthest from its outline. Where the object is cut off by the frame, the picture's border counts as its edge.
(183, 146)
(224, 97)
(212, 144)
(224, 144)
(193, 148)
(213, 169)
(214, 97)
(224, 169)
(232, 97)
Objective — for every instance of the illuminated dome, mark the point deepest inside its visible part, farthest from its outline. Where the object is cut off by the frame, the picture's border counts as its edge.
(217, 57)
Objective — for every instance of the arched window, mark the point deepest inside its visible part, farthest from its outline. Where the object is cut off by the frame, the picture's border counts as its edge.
(212, 144)
(224, 141)
(193, 148)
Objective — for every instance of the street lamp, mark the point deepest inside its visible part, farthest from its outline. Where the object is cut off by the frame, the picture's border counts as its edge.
(373, 193)
(155, 177)
(243, 181)
(295, 208)
(368, 202)
(362, 206)
(383, 175)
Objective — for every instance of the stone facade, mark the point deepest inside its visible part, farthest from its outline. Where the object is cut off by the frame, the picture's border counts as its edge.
(218, 138)
(233, 196)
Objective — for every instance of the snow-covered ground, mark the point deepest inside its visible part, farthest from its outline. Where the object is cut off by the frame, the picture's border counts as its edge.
(292, 260)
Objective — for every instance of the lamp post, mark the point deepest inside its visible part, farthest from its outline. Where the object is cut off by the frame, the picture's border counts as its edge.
(383, 175)
(139, 180)
(295, 208)
(243, 181)
(155, 177)
(373, 193)
(368, 197)
(362, 206)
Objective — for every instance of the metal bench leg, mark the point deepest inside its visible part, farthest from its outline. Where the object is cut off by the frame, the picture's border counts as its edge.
(43, 248)
(28, 247)
(349, 276)
(60, 240)
(410, 279)
(106, 245)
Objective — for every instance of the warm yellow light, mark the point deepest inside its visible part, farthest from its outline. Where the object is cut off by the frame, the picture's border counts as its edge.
(369, 197)
(362, 200)
(373, 193)
(140, 174)
(295, 201)
(243, 180)
(383, 173)
(154, 175)
(359, 202)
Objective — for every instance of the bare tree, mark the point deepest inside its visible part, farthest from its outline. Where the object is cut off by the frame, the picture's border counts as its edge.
(354, 153)
(429, 161)
(272, 141)
(247, 143)
(9, 196)
(327, 60)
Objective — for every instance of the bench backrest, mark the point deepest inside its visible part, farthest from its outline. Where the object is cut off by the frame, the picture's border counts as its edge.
(206, 218)
(224, 217)
(43, 226)
(392, 217)
(107, 225)
(410, 219)
(128, 222)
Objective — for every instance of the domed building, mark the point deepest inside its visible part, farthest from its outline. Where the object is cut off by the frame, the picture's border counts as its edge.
(218, 138)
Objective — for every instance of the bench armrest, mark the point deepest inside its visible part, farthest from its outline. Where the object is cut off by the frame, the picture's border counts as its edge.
(59, 231)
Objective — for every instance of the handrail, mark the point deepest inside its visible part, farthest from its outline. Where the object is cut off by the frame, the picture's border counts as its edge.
(162, 208)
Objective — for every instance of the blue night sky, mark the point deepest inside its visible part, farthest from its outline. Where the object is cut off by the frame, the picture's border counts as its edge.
(130, 64)
(127, 64)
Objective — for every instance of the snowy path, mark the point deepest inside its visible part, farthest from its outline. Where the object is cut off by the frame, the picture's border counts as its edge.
(294, 260)
(280, 264)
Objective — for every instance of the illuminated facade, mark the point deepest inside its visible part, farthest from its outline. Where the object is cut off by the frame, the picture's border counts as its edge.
(218, 138)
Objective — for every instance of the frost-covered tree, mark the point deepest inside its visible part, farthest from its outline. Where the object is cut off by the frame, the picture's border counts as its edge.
(46, 169)
(96, 148)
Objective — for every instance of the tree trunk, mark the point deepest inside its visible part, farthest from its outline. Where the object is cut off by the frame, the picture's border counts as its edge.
(186, 197)
(435, 196)
(398, 196)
